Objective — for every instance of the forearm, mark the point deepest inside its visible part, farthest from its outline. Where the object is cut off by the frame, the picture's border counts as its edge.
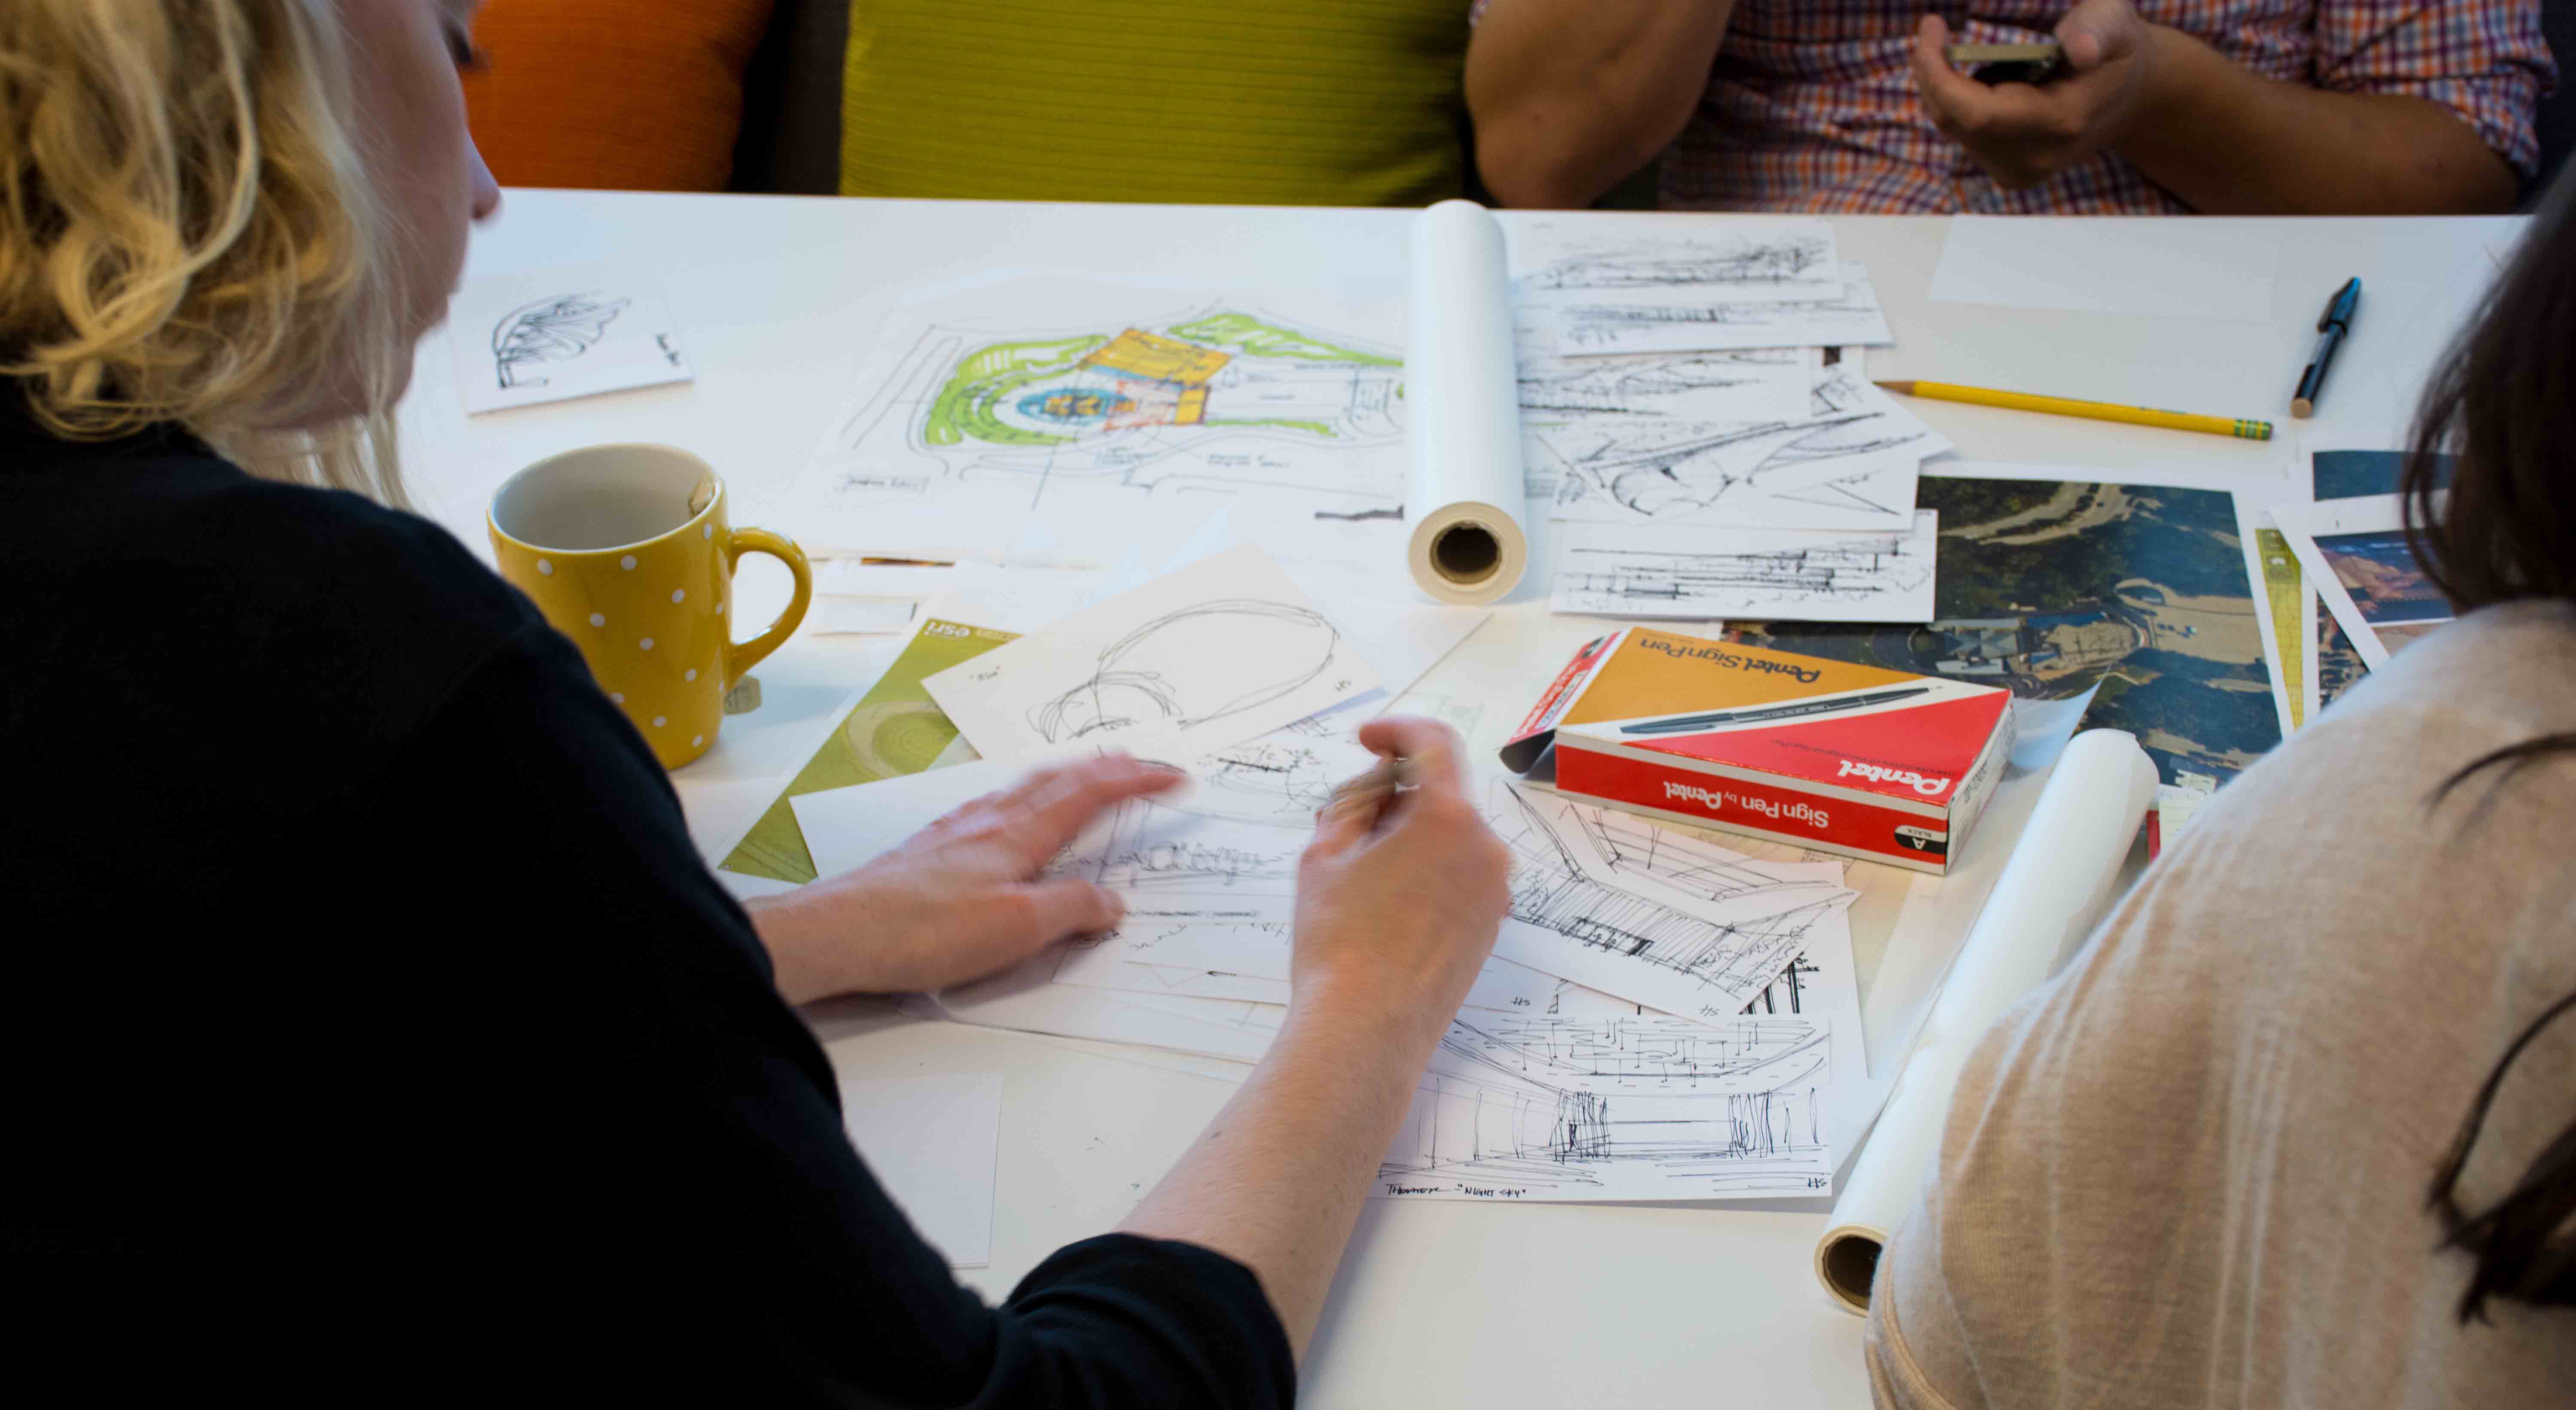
(1569, 96)
(2231, 142)
(806, 955)
(1277, 1179)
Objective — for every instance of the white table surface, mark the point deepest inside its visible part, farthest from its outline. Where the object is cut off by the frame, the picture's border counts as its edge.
(1437, 1304)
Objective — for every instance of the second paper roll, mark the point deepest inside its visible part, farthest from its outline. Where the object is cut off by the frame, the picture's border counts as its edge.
(1463, 491)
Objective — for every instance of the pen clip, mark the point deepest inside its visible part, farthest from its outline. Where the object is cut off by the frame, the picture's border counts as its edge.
(2338, 312)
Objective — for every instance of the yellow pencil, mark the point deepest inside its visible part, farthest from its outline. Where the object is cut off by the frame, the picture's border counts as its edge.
(2240, 427)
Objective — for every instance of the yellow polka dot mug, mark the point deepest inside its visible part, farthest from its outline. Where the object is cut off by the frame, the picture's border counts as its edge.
(625, 549)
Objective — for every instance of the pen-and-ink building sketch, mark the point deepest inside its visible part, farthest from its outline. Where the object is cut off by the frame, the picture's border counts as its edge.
(1629, 1108)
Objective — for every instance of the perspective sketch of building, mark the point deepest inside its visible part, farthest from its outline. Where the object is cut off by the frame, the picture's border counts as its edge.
(1551, 891)
(1630, 1108)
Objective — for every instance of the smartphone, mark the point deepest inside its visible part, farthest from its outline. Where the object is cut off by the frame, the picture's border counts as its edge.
(2008, 63)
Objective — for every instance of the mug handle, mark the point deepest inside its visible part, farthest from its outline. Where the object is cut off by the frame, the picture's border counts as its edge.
(741, 656)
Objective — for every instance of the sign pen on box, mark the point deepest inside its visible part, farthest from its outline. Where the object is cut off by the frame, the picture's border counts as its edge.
(1760, 713)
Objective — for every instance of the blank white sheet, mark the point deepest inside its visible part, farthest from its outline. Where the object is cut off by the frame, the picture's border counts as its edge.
(932, 1142)
(848, 827)
(2164, 268)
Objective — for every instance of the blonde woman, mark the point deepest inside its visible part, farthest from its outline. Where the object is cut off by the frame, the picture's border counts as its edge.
(373, 1026)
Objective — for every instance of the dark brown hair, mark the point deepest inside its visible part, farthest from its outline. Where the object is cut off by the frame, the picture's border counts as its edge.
(2499, 416)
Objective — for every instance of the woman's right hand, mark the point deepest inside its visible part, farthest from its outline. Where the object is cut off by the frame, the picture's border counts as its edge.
(1401, 892)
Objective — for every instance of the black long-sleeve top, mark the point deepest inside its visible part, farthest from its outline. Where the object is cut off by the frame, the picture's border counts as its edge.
(372, 1027)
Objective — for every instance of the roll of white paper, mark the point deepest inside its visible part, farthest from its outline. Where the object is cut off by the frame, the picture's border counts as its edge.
(1463, 489)
(2053, 888)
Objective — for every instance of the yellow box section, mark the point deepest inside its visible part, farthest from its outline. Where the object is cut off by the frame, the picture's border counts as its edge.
(1193, 407)
(1164, 359)
(1666, 673)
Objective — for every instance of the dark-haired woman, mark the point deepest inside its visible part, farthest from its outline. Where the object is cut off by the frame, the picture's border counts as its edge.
(2298, 1128)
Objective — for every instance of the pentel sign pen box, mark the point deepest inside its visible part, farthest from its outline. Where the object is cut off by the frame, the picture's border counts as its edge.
(1844, 758)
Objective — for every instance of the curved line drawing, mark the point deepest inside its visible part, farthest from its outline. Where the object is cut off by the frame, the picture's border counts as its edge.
(1165, 672)
(557, 328)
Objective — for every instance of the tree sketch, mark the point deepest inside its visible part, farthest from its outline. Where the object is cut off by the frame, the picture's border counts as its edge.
(557, 328)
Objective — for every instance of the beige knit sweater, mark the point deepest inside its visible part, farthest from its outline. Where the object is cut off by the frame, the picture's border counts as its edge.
(2191, 1171)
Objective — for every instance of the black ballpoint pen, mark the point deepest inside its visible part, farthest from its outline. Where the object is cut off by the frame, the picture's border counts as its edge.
(2332, 325)
(1771, 712)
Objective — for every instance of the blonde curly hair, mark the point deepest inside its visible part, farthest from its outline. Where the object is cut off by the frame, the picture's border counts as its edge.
(188, 233)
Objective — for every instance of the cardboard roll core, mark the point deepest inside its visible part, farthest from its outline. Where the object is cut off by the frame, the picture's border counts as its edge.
(1849, 1264)
(1466, 553)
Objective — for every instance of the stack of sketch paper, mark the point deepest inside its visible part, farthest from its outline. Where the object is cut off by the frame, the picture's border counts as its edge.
(1701, 455)
(1664, 1017)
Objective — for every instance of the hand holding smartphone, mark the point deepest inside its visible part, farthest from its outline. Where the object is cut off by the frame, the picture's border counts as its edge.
(1991, 64)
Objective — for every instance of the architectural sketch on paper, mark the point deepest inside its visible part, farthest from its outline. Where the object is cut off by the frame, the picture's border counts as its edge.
(1847, 316)
(1150, 849)
(1732, 385)
(1851, 574)
(1288, 773)
(554, 329)
(1851, 459)
(1186, 668)
(1715, 261)
(1650, 1107)
(1628, 845)
(1736, 945)
(1786, 994)
(1216, 398)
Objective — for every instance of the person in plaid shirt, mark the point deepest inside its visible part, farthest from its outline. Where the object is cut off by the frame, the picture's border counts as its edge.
(2240, 107)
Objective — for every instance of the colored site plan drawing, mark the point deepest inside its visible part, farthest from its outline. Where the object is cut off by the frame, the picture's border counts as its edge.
(1001, 417)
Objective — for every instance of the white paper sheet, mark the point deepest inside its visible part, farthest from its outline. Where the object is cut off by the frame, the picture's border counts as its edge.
(859, 616)
(561, 333)
(1221, 651)
(1101, 966)
(1739, 386)
(854, 597)
(1849, 318)
(932, 1142)
(2159, 268)
(1650, 259)
(849, 827)
(1689, 572)
(1028, 1000)
(1849, 459)
(2354, 554)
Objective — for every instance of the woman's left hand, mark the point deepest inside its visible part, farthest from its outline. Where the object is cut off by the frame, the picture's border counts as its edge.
(960, 899)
